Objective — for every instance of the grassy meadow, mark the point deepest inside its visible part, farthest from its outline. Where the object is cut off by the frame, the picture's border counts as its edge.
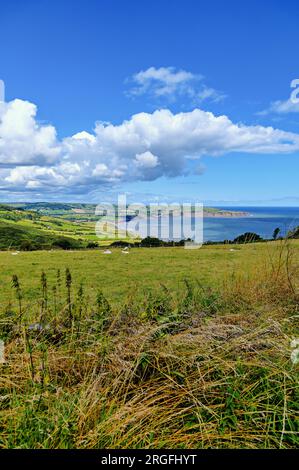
(141, 270)
(158, 348)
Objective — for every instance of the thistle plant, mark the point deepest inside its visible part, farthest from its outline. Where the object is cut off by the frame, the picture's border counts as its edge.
(16, 285)
(80, 302)
(44, 287)
(58, 282)
(68, 284)
(103, 308)
(54, 290)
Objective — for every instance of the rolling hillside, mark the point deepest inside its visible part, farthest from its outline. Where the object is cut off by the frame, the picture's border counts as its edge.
(31, 230)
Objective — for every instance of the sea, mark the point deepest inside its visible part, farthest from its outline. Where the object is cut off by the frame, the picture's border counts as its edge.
(260, 220)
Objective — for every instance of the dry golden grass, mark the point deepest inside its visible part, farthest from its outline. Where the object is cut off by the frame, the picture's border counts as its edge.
(210, 370)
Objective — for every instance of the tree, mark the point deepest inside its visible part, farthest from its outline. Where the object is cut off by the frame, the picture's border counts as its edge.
(64, 243)
(248, 237)
(151, 241)
(276, 233)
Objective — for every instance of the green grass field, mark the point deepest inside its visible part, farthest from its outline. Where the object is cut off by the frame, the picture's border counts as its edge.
(141, 270)
(160, 348)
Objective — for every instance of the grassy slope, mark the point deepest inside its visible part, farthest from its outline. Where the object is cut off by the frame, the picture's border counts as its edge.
(17, 226)
(44, 226)
(199, 367)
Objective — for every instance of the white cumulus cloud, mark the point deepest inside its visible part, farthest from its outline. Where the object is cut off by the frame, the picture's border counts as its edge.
(144, 147)
(22, 139)
(146, 160)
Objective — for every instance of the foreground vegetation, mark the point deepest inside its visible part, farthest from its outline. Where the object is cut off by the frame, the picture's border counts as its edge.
(189, 359)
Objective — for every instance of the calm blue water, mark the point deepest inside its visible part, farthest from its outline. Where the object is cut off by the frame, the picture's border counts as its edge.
(262, 220)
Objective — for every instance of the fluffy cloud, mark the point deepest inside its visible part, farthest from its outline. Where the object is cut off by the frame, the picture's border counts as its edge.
(146, 160)
(22, 139)
(172, 84)
(145, 147)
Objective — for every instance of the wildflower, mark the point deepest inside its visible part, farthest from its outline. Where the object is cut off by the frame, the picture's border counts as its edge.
(295, 352)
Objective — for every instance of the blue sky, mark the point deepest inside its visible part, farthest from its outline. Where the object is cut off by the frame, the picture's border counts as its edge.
(68, 65)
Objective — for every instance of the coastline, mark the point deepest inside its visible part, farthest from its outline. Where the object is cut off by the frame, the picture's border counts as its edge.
(217, 214)
(226, 214)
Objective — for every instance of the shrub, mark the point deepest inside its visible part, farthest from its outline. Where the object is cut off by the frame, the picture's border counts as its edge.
(248, 237)
(27, 245)
(92, 245)
(151, 241)
(65, 243)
